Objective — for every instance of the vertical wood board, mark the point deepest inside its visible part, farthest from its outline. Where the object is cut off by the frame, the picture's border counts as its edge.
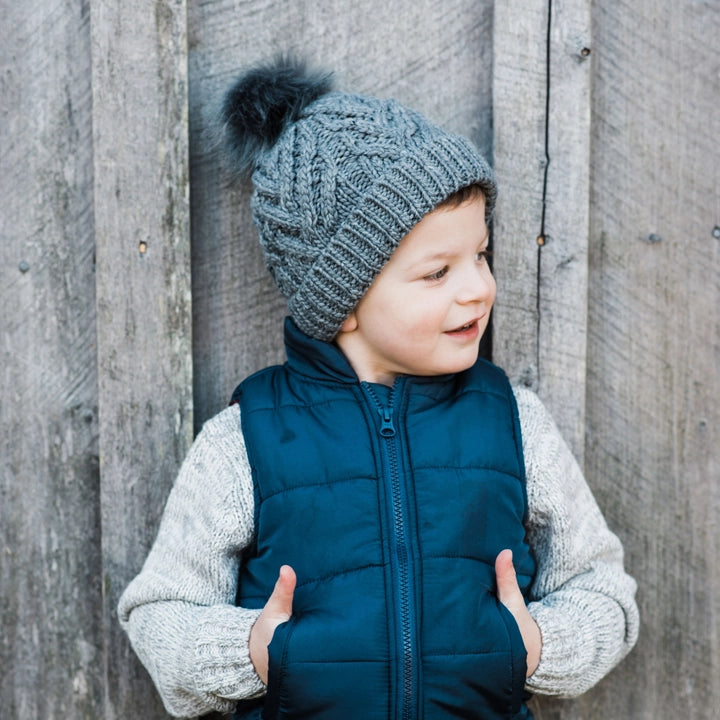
(519, 120)
(50, 597)
(654, 340)
(143, 299)
(563, 270)
(541, 96)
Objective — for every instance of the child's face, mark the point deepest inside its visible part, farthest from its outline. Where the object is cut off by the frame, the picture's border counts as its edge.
(427, 310)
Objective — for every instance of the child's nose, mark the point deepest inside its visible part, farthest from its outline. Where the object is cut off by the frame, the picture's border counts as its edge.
(478, 286)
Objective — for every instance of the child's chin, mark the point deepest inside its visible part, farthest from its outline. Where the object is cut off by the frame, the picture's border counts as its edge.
(462, 363)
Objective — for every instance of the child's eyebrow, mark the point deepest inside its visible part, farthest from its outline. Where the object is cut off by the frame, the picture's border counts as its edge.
(444, 254)
(440, 255)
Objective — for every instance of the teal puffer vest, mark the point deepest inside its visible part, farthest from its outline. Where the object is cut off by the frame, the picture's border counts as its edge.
(391, 506)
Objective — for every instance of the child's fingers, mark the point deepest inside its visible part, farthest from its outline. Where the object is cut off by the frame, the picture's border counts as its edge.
(278, 609)
(279, 604)
(510, 596)
(503, 562)
(507, 587)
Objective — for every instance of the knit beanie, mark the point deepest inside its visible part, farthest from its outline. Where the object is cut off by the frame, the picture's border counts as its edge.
(339, 179)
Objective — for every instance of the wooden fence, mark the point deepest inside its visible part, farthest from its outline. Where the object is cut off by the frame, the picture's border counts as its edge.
(134, 295)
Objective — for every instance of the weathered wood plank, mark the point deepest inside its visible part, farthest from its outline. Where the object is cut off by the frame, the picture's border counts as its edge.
(542, 151)
(433, 56)
(563, 288)
(519, 121)
(654, 341)
(143, 299)
(50, 593)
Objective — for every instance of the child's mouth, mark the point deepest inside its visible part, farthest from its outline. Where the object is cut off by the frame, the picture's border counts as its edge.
(468, 327)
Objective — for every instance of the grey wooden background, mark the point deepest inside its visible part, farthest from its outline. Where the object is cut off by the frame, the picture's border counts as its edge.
(134, 297)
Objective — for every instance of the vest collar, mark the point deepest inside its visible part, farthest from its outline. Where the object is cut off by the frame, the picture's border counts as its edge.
(315, 358)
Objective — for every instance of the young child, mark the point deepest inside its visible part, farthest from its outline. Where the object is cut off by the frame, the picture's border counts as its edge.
(382, 528)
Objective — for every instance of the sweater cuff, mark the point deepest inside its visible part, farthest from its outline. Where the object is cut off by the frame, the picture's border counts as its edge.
(222, 665)
(572, 644)
(556, 654)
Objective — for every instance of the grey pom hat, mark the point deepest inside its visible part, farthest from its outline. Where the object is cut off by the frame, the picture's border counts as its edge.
(335, 192)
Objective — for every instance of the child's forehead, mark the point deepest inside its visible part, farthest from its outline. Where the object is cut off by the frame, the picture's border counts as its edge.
(438, 244)
(441, 229)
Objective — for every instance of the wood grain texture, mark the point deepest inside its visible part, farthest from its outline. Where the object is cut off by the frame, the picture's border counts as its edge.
(653, 447)
(542, 151)
(519, 120)
(50, 594)
(433, 56)
(140, 136)
(563, 281)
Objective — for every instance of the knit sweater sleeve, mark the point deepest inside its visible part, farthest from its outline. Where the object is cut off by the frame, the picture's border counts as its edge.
(179, 612)
(581, 598)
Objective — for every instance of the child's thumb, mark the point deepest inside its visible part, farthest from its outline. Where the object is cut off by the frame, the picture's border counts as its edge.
(507, 587)
(280, 602)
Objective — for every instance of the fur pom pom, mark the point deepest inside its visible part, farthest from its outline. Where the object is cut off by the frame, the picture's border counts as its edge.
(261, 103)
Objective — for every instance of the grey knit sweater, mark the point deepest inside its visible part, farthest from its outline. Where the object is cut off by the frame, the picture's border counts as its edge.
(179, 611)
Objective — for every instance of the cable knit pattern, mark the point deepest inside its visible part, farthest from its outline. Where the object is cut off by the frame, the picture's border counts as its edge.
(179, 611)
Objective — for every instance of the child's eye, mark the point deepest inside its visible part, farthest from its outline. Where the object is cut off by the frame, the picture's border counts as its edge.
(439, 275)
(482, 255)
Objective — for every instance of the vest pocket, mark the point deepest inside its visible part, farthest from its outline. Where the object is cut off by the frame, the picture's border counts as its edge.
(277, 658)
(518, 657)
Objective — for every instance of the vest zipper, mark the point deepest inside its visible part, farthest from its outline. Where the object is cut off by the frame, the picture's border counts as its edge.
(400, 557)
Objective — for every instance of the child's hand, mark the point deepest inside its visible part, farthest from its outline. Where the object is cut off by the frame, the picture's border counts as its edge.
(277, 610)
(510, 596)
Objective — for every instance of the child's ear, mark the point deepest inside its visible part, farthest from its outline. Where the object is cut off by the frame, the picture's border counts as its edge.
(349, 324)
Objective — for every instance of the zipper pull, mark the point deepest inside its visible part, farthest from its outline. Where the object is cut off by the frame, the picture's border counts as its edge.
(387, 429)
